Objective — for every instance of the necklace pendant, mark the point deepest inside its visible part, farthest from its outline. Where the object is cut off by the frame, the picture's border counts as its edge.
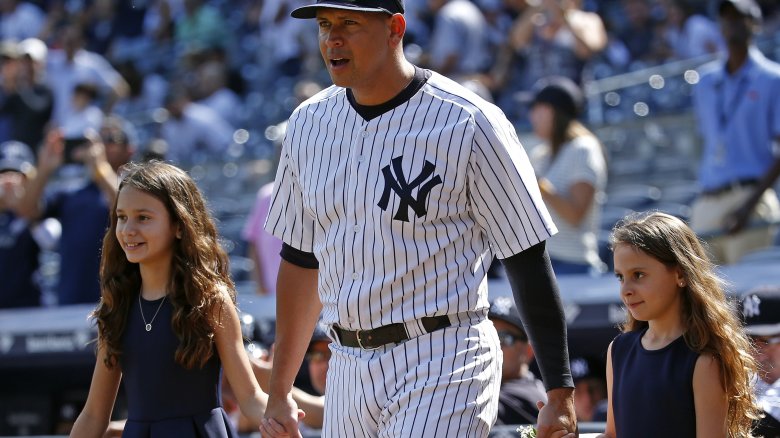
(148, 327)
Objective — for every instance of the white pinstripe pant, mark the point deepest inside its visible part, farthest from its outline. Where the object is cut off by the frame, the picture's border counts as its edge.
(440, 384)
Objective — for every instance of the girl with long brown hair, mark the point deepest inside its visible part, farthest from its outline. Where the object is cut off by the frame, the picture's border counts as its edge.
(167, 319)
(683, 364)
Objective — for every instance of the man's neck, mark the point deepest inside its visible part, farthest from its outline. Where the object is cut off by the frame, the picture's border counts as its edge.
(396, 83)
(737, 57)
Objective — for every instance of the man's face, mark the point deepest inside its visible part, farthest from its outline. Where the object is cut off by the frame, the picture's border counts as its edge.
(318, 356)
(768, 357)
(736, 28)
(516, 351)
(354, 45)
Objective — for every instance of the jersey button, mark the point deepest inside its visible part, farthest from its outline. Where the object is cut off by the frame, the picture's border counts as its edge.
(356, 228)
(365, 134)
(361, 158)
(355, 275)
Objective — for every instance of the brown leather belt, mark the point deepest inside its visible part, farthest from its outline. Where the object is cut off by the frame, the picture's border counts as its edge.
(730, 186)
(387, 334)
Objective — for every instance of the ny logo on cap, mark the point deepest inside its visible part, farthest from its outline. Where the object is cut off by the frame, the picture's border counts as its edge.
(403, 189)
(750, 306)
(502, 305)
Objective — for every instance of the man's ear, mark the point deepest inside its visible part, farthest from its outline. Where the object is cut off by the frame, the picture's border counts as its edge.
(397, 28)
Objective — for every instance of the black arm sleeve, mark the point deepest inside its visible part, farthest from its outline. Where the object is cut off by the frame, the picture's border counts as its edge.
(536, 295)
(300, 258)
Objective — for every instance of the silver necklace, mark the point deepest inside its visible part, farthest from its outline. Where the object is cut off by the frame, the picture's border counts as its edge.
(148, 325)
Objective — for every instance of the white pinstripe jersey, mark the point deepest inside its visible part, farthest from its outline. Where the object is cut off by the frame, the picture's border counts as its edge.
(405, 212)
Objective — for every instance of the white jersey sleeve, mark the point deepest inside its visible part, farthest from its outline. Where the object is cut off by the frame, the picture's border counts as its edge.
(503, 189)
(287, 218)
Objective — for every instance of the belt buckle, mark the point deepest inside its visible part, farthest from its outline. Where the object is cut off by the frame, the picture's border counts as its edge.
(360, 341)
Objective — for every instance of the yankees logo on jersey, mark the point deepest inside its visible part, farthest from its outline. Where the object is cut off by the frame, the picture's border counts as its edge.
(398, 184)
(388, 202)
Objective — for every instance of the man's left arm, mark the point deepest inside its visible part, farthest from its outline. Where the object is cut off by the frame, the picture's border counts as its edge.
(538, 301)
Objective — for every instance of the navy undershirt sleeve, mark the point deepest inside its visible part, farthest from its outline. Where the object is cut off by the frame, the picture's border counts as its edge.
(538, 301)
(299, 258)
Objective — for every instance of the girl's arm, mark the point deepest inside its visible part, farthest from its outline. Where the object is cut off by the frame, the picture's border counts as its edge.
(709, 398)
(573, 208)
(93, 419)
(251, 399)
(610, 431)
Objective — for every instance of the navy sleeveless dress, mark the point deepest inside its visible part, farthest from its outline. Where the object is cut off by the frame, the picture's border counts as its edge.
(163, 398)
(652, 390)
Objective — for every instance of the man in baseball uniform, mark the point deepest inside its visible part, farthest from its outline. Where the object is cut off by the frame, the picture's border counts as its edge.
(396, 187)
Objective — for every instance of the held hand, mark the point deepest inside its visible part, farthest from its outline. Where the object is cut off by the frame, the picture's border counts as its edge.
(281, 418)
(557, 418)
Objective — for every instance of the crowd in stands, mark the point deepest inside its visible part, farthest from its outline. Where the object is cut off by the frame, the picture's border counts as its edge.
(207, 84)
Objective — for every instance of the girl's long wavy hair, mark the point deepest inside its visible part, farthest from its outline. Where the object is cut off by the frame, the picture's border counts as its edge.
(199, 268)
(711, 322)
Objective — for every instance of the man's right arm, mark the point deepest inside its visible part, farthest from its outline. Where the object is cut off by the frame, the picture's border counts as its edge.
(297, 309)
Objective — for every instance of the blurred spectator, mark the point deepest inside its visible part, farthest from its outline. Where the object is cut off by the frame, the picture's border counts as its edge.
(193, 131)
(556, 37)
(200, 27)
(73, 65)
(572, 172)
(25, 99)
(287, 54)
(590, 389)
(459, 41)
(263, 247)
(761, 313)
(737, 103)
(146, 92)
(9, 67)
(81, 208)
(639, 32)
(20, 20)
(520, 389)
(688, 34)
(212, 91)
(84, 115)
(20, 242)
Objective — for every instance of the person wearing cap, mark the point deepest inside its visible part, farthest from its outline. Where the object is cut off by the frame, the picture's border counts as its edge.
(81, 208)
(571, 167)
(737, 104)
(20, 242)
(761, 316)
(590, 389)
(396, 186)
(25, 100)
(520, 389)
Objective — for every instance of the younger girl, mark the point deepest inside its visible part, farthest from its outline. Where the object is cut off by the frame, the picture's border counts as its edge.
(682, 366)
(167, 320)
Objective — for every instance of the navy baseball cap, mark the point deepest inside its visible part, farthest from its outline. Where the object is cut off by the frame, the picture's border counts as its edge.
(560, 92)
(748, 8)
(387, 6)
(503, 308)
(16, 156)
(761, 311)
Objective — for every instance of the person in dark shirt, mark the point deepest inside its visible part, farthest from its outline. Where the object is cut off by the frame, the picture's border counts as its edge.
(520, 389)
(18, 248)
(80, 204)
